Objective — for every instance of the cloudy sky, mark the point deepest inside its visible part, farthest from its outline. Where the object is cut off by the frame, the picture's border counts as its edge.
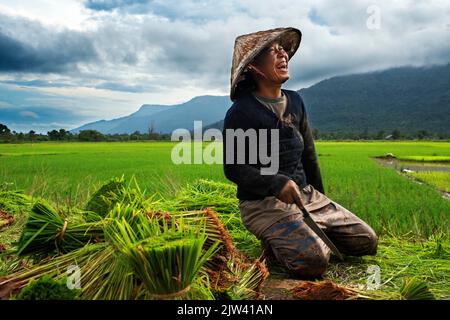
(66, 62)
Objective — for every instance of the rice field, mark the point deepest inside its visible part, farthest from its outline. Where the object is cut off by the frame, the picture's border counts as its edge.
(411, 218)
(69, 172)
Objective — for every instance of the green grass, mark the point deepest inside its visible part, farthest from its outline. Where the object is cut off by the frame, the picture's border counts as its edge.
(67, 173)
(440, 180)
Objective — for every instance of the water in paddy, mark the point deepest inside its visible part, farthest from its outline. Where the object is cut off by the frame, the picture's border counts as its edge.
(413, 166)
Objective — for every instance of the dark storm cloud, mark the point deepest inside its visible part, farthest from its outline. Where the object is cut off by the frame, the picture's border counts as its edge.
(38, 83)
(194, 10)
(31, 47)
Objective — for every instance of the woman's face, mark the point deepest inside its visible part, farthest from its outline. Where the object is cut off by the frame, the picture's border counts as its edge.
(273, 63)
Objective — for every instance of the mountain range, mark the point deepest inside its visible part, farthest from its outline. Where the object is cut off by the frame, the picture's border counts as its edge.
(165, 119)
(408, 99)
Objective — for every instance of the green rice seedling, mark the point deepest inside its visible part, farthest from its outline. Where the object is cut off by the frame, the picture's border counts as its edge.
(103, 274)
(47, 288)
(168, 265)
(413, 289)
(14, 201)
(202, 194)
(124, 212)
(150, 258)
(221, 198)
(52, 266)
(117, 191)
(249, 280)
(103, 199)
(167, 260)
(106, 276)
(230, 273)
(215, 230)
(47, 231)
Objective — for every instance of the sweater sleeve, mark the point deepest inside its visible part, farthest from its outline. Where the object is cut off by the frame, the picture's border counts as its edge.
(309, 158)
(245, 175)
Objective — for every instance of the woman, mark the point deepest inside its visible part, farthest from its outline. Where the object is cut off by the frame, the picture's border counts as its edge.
(269, 203)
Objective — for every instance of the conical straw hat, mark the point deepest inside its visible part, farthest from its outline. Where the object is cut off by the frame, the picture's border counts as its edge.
(248, 46)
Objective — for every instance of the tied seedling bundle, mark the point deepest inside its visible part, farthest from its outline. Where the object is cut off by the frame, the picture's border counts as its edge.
(203, 194)
(232, 275)
(46, 231)
(116, 191)
(166, 257)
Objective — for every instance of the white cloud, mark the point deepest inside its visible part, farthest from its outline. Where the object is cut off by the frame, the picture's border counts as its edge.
(29, 114)
(52, 13)
(4, 104)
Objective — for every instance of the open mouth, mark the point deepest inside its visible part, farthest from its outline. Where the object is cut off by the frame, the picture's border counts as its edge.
(283, 66)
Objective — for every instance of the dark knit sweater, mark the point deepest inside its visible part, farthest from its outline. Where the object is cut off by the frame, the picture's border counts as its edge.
(297, 155)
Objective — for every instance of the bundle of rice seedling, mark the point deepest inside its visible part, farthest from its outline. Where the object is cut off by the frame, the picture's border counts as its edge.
(106, 276)
(322, 290)
(414, 289)
(168, 264)
(215, 230)
(102, 201)
(203, 194)
(217, 196)
(167, 260)
(47, 231)
(116, 191)
(249, 279)
(232, 275)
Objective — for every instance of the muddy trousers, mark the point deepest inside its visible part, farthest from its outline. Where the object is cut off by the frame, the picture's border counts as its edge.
(302, 252)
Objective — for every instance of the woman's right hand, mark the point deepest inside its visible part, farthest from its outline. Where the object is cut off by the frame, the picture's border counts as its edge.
(290, 193)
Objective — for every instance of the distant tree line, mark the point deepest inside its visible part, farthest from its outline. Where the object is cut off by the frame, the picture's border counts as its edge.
(380, 135)
(8, 136)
